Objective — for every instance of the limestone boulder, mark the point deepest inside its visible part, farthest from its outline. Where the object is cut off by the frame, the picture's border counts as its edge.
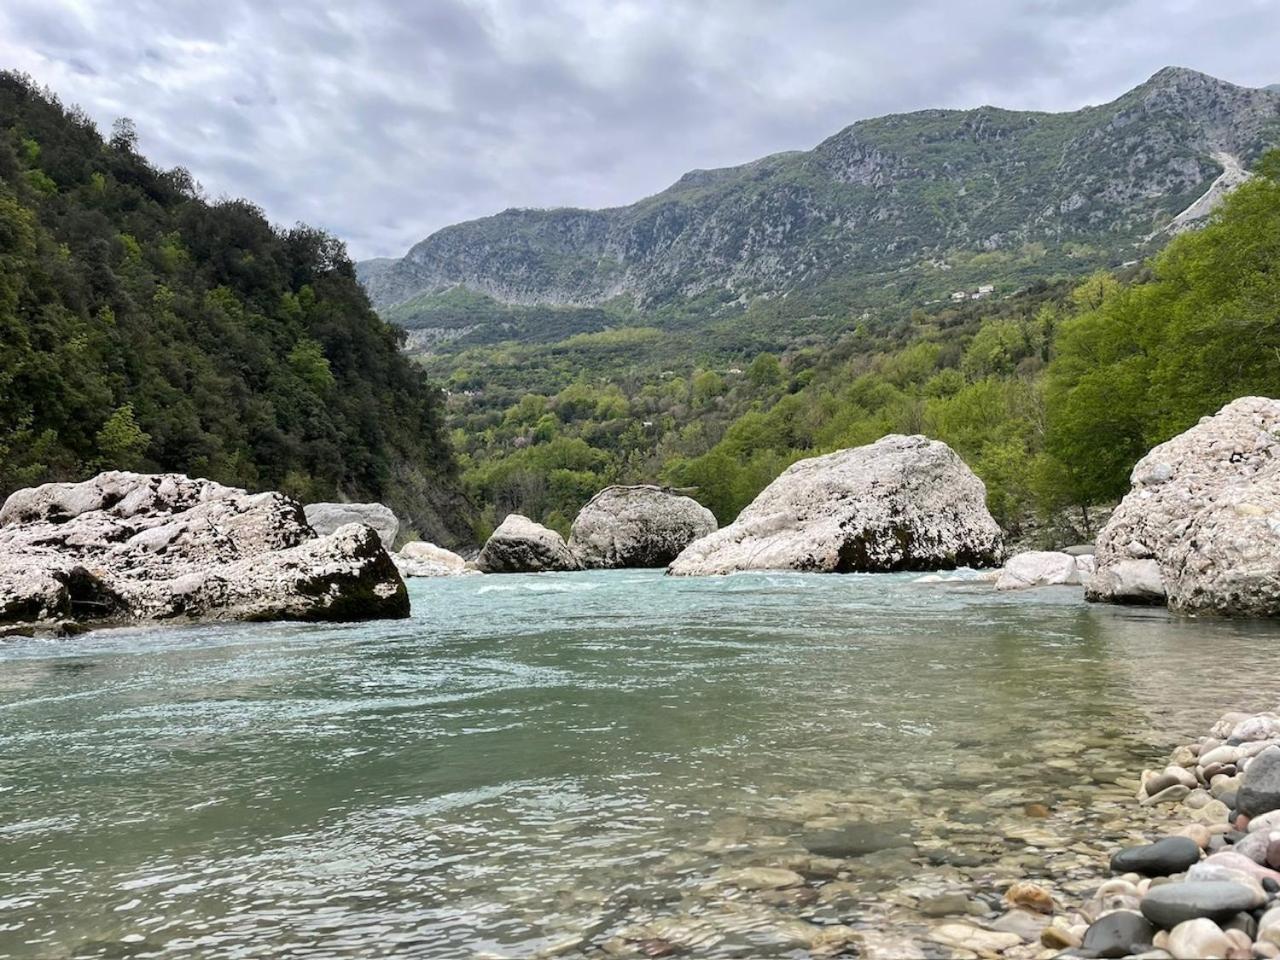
(1043, 568)
(129, 548)
(521, 546)
(901, 503)
(326, 518)
(637, 526)
(422, 559)
(1200, 526)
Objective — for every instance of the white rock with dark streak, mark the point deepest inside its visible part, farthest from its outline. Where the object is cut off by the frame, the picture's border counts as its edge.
(36, 587)
(340, 577)
(127, 548)
(901, 503)
(521, 546)
(637, 526)
(1201, 522)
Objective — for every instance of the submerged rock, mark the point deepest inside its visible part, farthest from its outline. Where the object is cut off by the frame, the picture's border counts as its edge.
(966, 936)
(128, 547)
(326, 518)
(858, 839)
(521, 546)
(761, 878)
(901, 503)
(422, 559)
(639, 526)
(1201, 523)
(1029, 896)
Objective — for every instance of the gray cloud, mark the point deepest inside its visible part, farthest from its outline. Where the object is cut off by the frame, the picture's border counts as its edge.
(382, 121)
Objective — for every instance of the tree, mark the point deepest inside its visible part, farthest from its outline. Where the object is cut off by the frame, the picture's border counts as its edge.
(765, 371)
(312, 367)
(124, 135)
(121, 443)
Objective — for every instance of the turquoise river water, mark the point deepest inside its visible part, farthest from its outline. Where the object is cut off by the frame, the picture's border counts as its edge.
(583, 765)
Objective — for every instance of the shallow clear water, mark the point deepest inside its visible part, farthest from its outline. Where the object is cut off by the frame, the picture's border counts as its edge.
(576, 763)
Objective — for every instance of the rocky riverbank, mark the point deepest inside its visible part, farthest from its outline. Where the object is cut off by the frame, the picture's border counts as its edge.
(1205, 884)
(1089, 859)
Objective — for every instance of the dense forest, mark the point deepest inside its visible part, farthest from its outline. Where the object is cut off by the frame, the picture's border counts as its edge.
(145, 327)
(1051, 395)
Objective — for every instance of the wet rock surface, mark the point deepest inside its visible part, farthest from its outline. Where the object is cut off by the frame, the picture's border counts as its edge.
(1171, 904)
(1118, 934)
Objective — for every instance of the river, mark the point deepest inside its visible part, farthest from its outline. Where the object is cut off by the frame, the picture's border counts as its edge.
(592, 764)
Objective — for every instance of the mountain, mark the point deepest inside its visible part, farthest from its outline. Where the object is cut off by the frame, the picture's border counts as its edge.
(910, 205)
(142, 327)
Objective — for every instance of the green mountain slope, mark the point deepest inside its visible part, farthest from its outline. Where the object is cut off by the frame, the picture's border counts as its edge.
(903, 207)
(142, 327)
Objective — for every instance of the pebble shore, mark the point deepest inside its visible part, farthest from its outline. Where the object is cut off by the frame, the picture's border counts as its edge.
(1202, 885)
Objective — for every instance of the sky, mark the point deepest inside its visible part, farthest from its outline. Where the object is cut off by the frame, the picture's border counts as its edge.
(384, 120)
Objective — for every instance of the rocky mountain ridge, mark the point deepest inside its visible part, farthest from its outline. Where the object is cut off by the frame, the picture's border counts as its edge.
(916, 193)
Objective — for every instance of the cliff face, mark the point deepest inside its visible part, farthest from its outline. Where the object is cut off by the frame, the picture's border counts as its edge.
(881, 195)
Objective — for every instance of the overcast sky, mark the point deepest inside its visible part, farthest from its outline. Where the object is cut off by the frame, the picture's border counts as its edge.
(383, 120)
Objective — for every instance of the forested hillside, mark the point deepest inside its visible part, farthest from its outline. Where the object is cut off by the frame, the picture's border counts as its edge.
(1050, 395)
(144, 327)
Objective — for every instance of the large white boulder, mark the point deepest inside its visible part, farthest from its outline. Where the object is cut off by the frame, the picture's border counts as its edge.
(1043, 568)
(128, 547)
(521, 546)
(901, 503)
(637, 526)
(326, 518)
(1200, 526)
(422, 559)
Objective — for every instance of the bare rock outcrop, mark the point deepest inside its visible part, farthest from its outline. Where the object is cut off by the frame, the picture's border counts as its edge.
(129, 548)
(637, 526)
(1200, 525)
(521, 546)
(901, 503)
